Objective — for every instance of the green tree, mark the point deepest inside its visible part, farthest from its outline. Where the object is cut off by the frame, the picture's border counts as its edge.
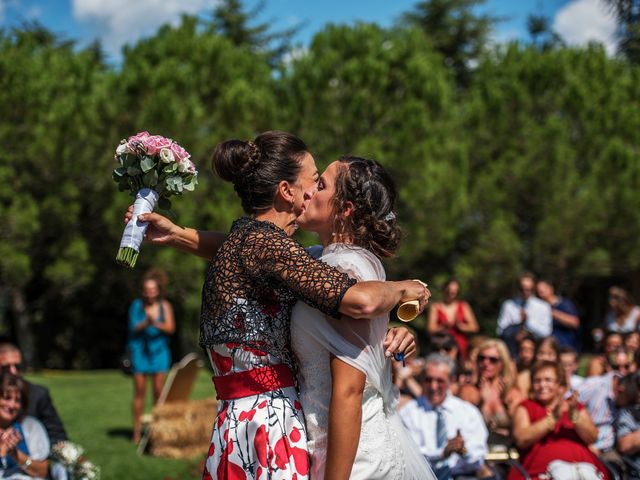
(455, 29)
(55, 125)
(385, 94)
(553, 168)
(627, 13)
(232, 21)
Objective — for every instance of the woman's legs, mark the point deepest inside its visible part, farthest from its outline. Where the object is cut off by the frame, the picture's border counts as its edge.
(158, 383)
(139, 384)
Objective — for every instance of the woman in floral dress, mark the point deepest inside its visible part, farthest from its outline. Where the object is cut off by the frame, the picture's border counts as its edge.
(251, 286)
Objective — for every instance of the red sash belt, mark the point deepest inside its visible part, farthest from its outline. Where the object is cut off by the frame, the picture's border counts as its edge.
(252, 382)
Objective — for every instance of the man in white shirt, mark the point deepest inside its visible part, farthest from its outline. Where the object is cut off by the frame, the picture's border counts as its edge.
(450, 432)
(524, 312)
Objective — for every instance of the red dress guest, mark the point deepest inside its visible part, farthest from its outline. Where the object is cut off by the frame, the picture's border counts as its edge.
(552, 433)
(453, 316)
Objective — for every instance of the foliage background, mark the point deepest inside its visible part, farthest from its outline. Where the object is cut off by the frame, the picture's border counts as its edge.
(507, 157)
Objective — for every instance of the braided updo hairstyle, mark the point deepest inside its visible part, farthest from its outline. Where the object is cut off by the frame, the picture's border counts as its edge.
(371, 190)
(257, 167)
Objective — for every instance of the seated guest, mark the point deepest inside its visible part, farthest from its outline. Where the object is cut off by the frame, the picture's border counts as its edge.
(406, 378)
(524, 313)
(552, 433)
(494, 393)
(632, 341)
(598, 395)
(526, 352)
(450, 432)
(40, 404)
(599, 364)
(628, 423)
(547, 349)
(24, 446)
(569, 363)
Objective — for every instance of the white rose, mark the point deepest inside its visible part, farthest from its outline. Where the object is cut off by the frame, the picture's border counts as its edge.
(183, 166)
(122, 149)
(166, 156)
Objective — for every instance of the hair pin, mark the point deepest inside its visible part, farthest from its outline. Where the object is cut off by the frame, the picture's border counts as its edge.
(389, 216)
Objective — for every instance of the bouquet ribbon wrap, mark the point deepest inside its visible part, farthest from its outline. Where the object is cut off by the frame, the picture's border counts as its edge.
(146, 200)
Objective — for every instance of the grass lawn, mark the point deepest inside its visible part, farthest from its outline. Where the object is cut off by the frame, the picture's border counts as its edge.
(95, 407)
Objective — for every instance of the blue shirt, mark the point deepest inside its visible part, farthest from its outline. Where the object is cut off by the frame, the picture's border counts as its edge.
(566, 336)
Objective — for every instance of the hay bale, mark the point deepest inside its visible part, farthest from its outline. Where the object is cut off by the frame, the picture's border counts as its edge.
(175, 452)
(182, 429)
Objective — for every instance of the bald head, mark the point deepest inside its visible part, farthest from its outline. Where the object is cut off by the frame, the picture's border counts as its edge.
(10, 358)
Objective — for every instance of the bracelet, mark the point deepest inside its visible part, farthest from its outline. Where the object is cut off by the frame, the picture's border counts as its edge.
(551, 421)
(27, 463)
(574, 416)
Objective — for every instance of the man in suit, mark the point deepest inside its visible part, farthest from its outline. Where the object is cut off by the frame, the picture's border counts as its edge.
(40, 403)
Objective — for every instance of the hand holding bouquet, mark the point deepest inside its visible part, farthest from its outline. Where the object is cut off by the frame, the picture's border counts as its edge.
(70, 455)
(152, 168)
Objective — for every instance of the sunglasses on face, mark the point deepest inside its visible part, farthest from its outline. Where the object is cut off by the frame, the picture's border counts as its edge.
(492, 360)
(8, 367)
(446, 348)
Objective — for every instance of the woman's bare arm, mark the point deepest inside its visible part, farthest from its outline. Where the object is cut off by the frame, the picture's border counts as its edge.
(345, 418)
(526, 433)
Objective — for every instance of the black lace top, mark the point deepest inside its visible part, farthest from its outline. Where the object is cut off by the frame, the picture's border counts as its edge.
(252, 284)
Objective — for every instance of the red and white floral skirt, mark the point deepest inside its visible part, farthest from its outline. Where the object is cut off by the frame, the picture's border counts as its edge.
(257, 437)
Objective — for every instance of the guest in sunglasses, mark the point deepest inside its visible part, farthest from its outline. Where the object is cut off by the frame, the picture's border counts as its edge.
(40, 404)
(495, 393)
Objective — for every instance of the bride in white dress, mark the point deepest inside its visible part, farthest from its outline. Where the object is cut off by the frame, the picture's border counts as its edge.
(346, 390)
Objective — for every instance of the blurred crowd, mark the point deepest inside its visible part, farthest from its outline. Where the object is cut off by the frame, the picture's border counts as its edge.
(526, 403)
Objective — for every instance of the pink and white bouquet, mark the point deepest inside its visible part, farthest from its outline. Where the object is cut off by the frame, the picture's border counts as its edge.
(152, 168)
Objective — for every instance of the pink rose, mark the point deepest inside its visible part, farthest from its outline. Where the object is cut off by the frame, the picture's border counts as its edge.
(178, 152)
(155, 143)
(139, 137)
(136, 143)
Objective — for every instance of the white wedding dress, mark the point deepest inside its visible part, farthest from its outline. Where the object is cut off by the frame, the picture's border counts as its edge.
(385, 450)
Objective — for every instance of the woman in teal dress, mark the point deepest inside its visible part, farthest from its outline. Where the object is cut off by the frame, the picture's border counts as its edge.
(151, 323)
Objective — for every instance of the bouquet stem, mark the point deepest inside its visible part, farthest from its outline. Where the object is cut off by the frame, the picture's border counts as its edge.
(133, 234)
(127, 257)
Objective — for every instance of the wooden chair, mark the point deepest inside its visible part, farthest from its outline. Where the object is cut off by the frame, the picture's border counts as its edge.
(177, 388)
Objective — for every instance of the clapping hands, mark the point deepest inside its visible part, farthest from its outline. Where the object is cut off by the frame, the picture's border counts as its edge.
(455, 445)
(9, 441)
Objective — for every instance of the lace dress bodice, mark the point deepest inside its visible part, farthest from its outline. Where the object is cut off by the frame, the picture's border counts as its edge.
(250, 288)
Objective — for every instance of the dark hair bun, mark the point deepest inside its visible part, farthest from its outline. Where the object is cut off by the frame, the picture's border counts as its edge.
(256, 167)
(230, 158)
